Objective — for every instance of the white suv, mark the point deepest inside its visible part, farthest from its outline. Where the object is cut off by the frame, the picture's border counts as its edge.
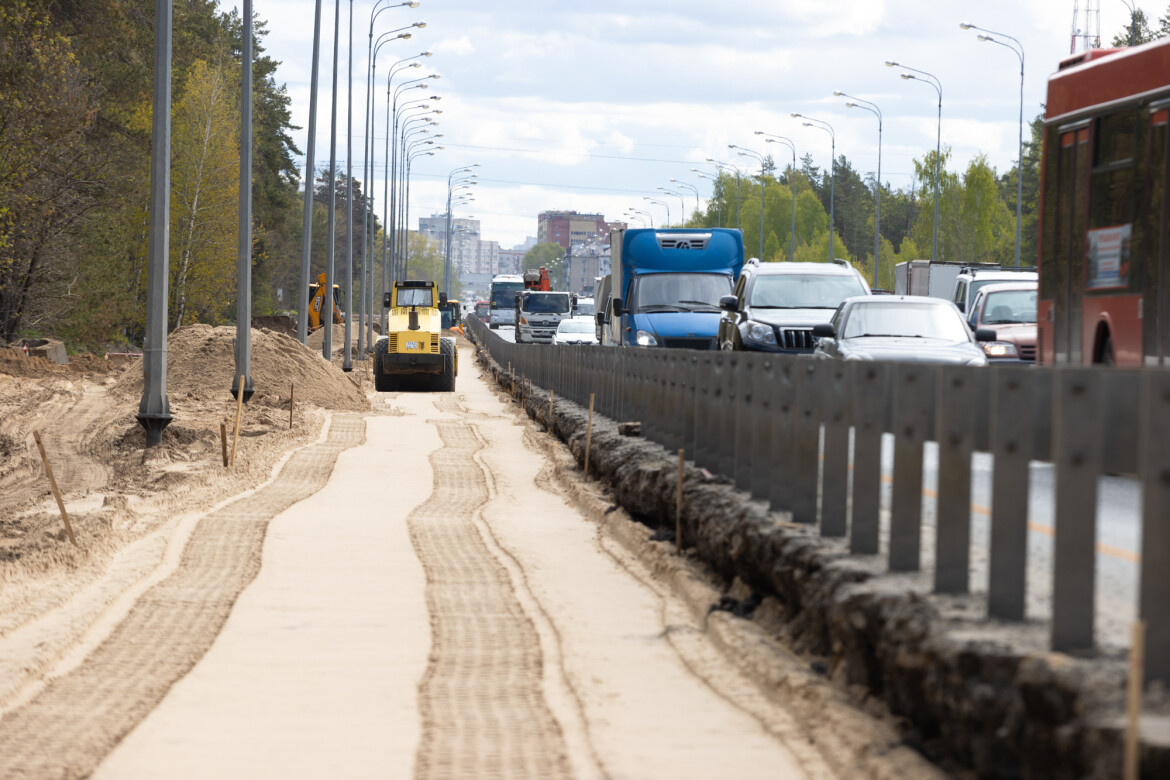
(971, 279)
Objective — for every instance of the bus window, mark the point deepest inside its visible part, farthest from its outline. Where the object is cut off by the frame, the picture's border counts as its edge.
(1156, 301)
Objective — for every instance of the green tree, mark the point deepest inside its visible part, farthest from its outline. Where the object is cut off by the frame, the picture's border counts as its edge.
(205, 181)
(45, 113)
(551, 256)
(1136, 33)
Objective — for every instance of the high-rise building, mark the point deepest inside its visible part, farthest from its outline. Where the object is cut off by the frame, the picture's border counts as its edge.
(569, 227)
(465, 241)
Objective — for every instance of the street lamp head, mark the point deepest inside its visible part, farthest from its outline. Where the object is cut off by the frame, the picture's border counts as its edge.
(838, 93)
(419, 24)
(403, 36)
(757, 132)
(411, 4)
(807, 124)
(907, 76)
(985, 37)
(426, 54)
(850, 104)
(965, 25)
(415, 65)
(797, 116)
(891, 64)
(435, 76)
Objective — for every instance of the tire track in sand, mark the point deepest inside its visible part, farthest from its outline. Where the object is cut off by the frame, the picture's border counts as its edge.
(481, 698)
(75, 721)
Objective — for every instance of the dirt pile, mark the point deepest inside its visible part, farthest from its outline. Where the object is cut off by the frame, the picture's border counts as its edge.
(14, 362)
(201, 363)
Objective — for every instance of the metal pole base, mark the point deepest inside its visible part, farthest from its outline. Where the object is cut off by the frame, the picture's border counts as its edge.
(247, 389)
(154, 424)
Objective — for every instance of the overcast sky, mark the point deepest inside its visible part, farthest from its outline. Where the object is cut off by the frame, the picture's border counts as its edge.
(592, 110)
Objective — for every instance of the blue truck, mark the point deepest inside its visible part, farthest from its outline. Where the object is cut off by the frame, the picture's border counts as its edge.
(665, 286)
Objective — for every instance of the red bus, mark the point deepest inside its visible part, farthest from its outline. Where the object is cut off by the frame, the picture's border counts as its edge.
(1104, 292)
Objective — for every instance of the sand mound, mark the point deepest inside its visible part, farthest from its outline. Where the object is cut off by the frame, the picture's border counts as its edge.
(201, 360)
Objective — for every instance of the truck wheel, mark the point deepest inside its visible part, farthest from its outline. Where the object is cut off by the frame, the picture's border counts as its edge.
(445, 382)
(383, 383)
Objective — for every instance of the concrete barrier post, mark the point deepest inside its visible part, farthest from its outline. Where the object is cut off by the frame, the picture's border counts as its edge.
(1011, 440)
(835, 464)
(913, 391)
(783, 409)
(688, 366)
(744, 419)
(706, 384)
(806, 427)
(725, 438)
(763, 390)
(956, 412)
(1076, 450)
(1155, 475)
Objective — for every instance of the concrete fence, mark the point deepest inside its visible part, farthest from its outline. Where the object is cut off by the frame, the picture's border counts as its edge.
(806, 436)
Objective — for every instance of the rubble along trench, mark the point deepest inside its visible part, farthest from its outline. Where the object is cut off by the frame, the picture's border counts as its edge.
(971, 693)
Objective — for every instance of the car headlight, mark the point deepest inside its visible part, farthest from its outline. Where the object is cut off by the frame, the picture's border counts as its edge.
(999, 349)
(645, 338)
(760, 333)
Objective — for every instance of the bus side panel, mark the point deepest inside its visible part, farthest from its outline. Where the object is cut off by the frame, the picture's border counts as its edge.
(1118, 314)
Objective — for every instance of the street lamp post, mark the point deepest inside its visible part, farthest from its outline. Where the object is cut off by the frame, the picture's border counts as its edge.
(820, 124)
(779, 139)
(646, 214)
(692, 188)
(872, 108)
(414, 126)
(937, 85)
(454, 185)
(1018, 50)
(721, 166)
(661, 203)
(368, 173)
(760, 158)
(682, 205)
(718, 201)
(310, 174)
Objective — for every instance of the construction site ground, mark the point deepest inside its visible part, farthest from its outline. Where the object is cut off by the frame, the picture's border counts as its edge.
(393, 585)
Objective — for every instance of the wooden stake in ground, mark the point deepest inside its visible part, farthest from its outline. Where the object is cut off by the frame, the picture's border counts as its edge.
(292, 390)
(239, 413)
(589, 436)
(1134, 701)
(678, 505)
(223, 442)
(551, 395)
(53, 487)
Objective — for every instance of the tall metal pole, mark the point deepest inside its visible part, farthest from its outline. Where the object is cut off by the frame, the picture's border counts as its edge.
(327, 308)
(820, 124)
(872, 108)
(1018, 50)
(154, 409)
(346, 353)
(244, 265)
(779, 139)
(937, 86)
(307, 223)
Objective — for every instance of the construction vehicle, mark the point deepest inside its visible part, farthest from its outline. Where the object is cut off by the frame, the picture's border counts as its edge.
(413, 355)
(317, 302)
(537, 280)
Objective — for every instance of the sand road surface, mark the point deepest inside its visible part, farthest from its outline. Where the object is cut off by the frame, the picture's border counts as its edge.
(415, 593)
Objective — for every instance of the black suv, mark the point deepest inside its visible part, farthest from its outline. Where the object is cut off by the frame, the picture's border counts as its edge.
(775, 305)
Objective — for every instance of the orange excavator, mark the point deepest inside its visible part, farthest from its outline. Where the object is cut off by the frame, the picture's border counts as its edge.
(317, 302)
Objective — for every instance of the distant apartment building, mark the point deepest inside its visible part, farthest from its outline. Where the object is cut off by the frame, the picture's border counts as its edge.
(510, 261)
(569, 227)
(466, 252)
(584, 263)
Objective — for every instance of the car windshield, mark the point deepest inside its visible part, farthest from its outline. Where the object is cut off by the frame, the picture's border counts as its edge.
(680, 292)
(1009, 306)
(979, 284)
(906, 318)
(586, 308)
(803, 291)
(546, 303)
(575, 326)
(414, 296)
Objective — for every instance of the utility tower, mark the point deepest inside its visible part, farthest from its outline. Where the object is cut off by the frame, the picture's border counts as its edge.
(1086, 25)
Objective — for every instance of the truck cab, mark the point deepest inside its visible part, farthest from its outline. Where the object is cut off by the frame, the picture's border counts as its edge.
(666, 286)
(538, 314)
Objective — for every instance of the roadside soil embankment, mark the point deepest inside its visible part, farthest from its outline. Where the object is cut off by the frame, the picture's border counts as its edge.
(125, 502)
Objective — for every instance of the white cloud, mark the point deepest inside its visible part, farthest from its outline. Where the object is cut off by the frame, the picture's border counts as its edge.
(460, 47)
